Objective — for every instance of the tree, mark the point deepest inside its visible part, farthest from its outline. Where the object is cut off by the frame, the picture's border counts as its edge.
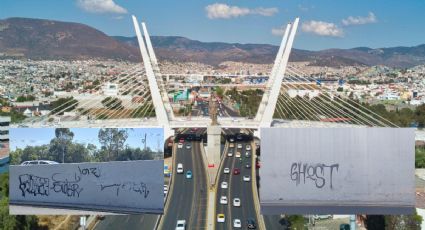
(112, 103)
(9, 221)
(375, 222)
(63, 137)
(64, 105)
(112, 141)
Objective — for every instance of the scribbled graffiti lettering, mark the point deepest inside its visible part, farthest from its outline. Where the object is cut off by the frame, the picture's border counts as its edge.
(140, 188)
(87, 171)
(71, 188)
(33, 185)
(318, 173)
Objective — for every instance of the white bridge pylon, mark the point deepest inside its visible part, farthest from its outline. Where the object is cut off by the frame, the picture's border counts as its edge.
(268, 103)
(163, 110)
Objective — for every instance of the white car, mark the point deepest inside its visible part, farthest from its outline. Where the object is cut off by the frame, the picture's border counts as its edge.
(226, 170)
(224, 184)
(248, 147)
(230, 153)
(181, 225)
(180, 145)
(236, 202)
(237, 223)
(223, 200)
(239, 146)
(220, 218)
(180, 168)
(246, 178)
(165, 189)
(39, 162)
(188, 146)
(238, 155)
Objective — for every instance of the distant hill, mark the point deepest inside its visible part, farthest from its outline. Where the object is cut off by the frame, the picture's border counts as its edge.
(47, 39)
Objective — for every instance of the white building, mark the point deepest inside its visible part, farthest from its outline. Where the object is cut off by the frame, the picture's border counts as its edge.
(110, 89)
(4, 128)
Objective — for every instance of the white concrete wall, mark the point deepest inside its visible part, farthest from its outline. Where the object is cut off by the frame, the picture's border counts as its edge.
(371, 167)
(120, 186)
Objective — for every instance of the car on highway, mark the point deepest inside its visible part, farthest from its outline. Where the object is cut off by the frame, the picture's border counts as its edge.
(224, 184)
(226, 171)
(181, 140)
(250, 223)
(246, 178)
(181, 225)
(248, 147)
(248, 166)
(238, 154)
(189, 174)
(39, 162)
(180, 145)
(257, 165)
(188, 146)
(236, 202)
(180, 168)
(220, 218)
(231, 139)
(239, 146)
(247, 154)
(237, 223)
(239, 137)
(165, 189)
(236, 171)
(223, 200)
(231, 145)
(230, 153)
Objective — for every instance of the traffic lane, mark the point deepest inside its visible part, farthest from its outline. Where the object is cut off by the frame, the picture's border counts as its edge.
(220, 208)
(146, 221)
(243, 189)
(199, 206)
(182, 191)
(273, 222)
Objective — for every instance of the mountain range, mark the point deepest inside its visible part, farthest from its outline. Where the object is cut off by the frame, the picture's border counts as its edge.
(48, 39)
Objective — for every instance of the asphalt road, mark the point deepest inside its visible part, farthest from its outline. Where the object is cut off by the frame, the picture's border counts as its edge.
(237, 188)
(188, 197)
(146, 221)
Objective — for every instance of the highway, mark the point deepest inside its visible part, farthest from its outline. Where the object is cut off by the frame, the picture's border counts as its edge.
(146, 221)
(237, 188)
(188, 197)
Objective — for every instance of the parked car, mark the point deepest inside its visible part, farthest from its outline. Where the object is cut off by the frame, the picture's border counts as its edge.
(322, 217)
(39, 162)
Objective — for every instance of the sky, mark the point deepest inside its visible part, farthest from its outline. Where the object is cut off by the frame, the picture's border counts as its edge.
(21, 137)
(323, 23)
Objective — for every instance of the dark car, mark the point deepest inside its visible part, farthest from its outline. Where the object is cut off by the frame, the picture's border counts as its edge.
(248, 166)
(236, 171)
(250, 223)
